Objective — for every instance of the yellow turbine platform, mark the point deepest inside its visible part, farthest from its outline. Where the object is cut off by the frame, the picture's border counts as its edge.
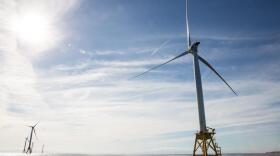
(206, 144)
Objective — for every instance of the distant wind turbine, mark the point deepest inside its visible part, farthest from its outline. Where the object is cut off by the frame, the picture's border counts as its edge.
(43, 146)
(205, 137)
(30, 145)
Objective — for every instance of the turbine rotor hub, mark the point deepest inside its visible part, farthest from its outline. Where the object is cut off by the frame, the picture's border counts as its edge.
(193, 48)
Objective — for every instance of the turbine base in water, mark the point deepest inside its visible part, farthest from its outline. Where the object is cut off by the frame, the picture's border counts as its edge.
(206, 143)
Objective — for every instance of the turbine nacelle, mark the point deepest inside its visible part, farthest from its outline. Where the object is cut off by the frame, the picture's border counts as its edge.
(193, 48)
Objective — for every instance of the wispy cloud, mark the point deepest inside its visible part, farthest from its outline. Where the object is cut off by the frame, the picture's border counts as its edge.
(161, 46)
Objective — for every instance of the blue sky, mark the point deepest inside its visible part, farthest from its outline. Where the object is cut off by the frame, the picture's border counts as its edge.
(73, 75)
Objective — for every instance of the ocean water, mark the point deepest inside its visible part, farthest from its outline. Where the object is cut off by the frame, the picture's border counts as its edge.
(232, 154)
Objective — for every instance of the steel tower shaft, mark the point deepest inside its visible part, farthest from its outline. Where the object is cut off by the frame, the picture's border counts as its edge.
(199, 91)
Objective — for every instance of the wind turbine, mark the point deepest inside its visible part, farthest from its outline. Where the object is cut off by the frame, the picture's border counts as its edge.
(43, 146)
(205, 137)
(30, 145)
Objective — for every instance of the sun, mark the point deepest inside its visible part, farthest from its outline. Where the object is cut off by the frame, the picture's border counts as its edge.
(32, 29)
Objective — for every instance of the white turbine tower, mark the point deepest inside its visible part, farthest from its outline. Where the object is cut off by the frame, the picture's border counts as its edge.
(205, 137)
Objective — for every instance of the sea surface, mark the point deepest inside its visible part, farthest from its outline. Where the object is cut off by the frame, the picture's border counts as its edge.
(231, 154)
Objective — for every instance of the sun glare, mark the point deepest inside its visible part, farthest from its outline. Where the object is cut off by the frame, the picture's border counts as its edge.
(31, 28)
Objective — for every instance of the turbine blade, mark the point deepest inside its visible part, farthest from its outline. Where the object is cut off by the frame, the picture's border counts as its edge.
(36, 124)
(182, 54)
(208, 65)
(35, 134)
(187, 26)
